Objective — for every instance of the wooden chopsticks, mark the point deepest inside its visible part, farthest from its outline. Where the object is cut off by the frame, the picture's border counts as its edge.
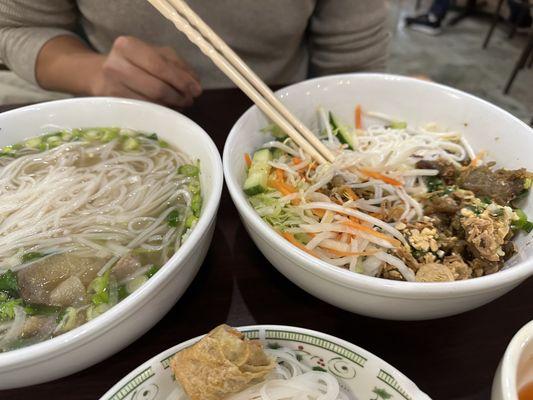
(199, 33)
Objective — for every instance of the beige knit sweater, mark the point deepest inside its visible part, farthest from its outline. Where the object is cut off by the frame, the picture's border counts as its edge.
(282, 40)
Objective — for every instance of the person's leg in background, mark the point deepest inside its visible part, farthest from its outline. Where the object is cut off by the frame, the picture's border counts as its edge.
(519, 14)
(431, 21)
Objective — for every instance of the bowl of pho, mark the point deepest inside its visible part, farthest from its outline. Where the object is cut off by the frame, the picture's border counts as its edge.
(422, 214)
(108, 211)
(265, 362)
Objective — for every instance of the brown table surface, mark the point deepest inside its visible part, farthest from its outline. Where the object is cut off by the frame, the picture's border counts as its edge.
(450, 358)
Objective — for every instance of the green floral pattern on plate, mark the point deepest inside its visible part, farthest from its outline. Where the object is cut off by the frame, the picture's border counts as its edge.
(361, 375)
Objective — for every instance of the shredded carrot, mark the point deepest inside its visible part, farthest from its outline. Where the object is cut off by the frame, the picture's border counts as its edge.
(358, 117)
(312, 165)
(347, 253)
(290, 237)
(381, 177)
(279, 186)
(283, 187)
(319, 212)
(372, 232)
(353, 219)
(479, 156)
(296, 160)
(350, 193)
(247, 159)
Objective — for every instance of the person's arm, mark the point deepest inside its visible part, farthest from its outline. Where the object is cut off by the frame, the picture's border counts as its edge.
(26, 25)
(132, 69)
(37, 43)
(348, 36)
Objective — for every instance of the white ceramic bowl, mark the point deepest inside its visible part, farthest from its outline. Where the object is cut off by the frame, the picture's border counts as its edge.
(115, 329)
(507, 140)
(516, 368)
(360, 373)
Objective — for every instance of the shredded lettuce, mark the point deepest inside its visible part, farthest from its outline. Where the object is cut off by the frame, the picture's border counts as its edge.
(275, 212)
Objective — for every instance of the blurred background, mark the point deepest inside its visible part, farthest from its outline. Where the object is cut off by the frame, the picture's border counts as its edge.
(455, 56)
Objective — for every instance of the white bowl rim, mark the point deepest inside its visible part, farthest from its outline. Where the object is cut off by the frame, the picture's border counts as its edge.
(17, 359)
(325, 336)
(387, 288)
(511, 358)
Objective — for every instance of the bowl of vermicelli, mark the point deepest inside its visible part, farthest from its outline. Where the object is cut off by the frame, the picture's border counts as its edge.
(422, 214)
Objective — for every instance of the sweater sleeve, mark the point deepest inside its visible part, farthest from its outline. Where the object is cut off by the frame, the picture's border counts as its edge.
(26, 25)
(348, 36)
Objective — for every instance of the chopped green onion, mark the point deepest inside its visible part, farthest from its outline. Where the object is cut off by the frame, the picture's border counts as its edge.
(54, 141)
(33, 143)
(96, 310)
(110, 134)
(522, 222)
(66, 136)
(32, 255)
(434, 183)
(189, 170)
(152, 136)
(93, 134)
(151, 271)
(9, 283)
(130, 144)
(162, 143)
(67, 320)
(7, 309)
(194, 186)
(100, 289)
(8, 150)
(174, 218)
(122, 292)
(196, 204)
(486, 200)
(191, 221)
(41, 309)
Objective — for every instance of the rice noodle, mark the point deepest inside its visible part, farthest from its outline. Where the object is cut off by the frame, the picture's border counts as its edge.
(374, 183)
(292, 380)
(84, 196)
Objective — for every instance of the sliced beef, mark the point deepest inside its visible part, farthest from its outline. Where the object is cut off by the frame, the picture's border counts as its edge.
(502, 186)
(447, 171)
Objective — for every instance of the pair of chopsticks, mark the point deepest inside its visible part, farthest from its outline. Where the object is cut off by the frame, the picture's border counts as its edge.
(199, 33)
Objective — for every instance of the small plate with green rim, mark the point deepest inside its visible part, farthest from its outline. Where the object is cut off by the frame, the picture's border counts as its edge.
(362, 375)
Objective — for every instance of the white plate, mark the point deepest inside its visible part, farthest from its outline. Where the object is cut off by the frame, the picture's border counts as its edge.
(362, 375)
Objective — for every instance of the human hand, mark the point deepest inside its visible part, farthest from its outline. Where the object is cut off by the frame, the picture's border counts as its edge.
(138, 70)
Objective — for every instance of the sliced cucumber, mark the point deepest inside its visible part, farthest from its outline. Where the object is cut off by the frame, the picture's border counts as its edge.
(341, 131)
(256, 182)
